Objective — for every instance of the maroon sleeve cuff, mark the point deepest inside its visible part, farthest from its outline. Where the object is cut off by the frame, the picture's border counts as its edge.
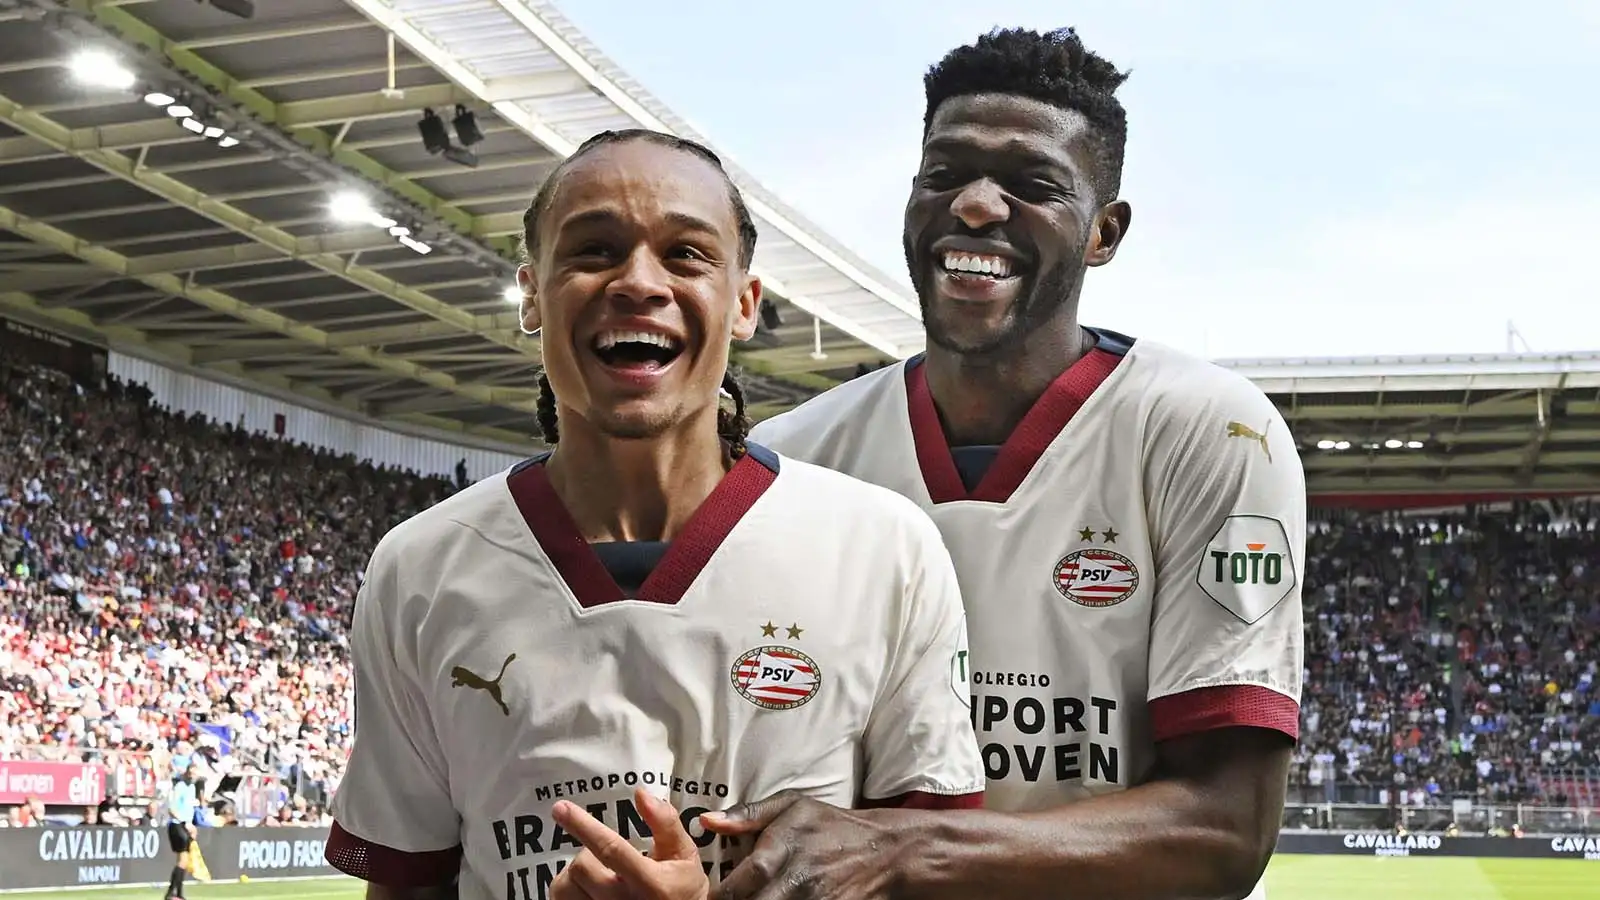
(1225, 706)
(925, 800)
(361, 858)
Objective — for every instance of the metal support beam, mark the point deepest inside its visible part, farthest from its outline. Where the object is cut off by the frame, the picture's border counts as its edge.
(37, 278)
(1579, 481)
(243, 350)
(454, 358)
(530, 87)
(1443, 410)
(429, 404)
(1546, 421)
(305, 76)
(258, 34)
(361, 107)
(193, 200)
(27, 308)
(410, 333)
(433, 49)
(41, 279)
(319, 142)
(260, 319)
(1507, 461)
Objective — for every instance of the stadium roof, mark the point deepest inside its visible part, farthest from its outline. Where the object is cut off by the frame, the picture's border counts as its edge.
(1412, 426)
(118, 223)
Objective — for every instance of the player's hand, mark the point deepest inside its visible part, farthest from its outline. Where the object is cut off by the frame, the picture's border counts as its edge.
(807, 850)
(609, 868)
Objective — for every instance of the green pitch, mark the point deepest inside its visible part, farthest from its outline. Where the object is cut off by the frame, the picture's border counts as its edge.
(1289, 878)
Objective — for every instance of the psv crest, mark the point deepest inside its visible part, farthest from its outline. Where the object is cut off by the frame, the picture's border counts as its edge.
(776, 677)
(1096, 577)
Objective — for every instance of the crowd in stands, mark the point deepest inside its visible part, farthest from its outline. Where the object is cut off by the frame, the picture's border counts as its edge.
(1453, 655)
(178, 589)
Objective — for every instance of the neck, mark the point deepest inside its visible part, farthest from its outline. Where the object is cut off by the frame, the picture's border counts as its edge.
(636, 490)
(982, 399)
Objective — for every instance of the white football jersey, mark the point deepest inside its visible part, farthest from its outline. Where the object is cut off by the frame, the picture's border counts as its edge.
(804, 631)
(1131, 559)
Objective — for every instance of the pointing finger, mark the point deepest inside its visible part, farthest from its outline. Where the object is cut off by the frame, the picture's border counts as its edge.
(672, 840)
(607, 846)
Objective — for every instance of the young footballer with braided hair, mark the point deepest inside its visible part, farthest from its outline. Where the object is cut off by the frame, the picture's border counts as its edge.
(657, 614)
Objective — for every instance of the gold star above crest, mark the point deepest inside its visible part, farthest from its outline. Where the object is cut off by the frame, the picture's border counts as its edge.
(1086, 534)
(1111, 535)
(794, 632)
(769, 630)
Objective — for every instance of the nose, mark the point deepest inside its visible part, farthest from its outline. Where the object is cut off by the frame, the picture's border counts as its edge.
(980, 205)
(641, 278)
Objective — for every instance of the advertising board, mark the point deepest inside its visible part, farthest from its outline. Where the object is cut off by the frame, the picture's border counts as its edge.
(1369, 843)
(93, 855)
(53, 783)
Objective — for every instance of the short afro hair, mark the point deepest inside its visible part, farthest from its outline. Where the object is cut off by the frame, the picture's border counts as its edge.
(1052, 67)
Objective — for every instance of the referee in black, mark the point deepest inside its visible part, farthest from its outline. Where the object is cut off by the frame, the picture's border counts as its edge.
(181, 803)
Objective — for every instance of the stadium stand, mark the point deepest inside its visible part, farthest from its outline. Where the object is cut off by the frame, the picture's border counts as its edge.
(175, 595)
(1453, 655)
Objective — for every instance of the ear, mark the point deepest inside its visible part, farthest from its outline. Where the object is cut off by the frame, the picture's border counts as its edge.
(1110, 227)
(748, 312)
(529, 309)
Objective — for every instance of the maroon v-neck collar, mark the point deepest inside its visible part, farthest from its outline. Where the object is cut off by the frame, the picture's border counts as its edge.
(557, 533)
(1021, 451)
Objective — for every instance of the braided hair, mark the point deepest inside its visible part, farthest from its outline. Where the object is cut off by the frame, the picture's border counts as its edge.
(733, 426)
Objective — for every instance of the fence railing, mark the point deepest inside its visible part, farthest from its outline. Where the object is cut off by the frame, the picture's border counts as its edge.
(1546, 786)
(1465, 817)
(78, 776)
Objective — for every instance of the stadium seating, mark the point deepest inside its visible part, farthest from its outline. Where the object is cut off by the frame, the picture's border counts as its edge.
(179, 589)
(175, 592)
(1454, 656)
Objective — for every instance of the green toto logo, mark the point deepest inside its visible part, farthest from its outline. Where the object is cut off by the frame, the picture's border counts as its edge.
(1254, 565)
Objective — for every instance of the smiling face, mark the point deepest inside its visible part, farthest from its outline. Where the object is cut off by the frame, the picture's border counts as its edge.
(638, 288)
(1002, 220)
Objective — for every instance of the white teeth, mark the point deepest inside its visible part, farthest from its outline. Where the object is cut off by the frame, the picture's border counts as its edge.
(997, 266)
(608, 339)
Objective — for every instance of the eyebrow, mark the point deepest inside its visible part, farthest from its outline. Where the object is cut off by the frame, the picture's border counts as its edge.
(604, 216)
(1014, 148)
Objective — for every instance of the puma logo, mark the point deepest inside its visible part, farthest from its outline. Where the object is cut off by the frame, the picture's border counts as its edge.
(463, 677)
(1237, 429)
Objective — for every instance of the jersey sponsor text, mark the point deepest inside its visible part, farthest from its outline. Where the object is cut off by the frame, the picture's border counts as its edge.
(537, 849)
(1080, 729)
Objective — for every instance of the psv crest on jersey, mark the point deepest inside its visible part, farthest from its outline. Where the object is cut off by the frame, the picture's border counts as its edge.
(776, 677)
(1096, 577)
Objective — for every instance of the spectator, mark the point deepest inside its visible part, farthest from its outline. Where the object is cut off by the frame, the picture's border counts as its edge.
(176, 589)
(1452, 656)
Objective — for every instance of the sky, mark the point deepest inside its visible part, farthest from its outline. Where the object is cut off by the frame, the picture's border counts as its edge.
(1311, 179)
